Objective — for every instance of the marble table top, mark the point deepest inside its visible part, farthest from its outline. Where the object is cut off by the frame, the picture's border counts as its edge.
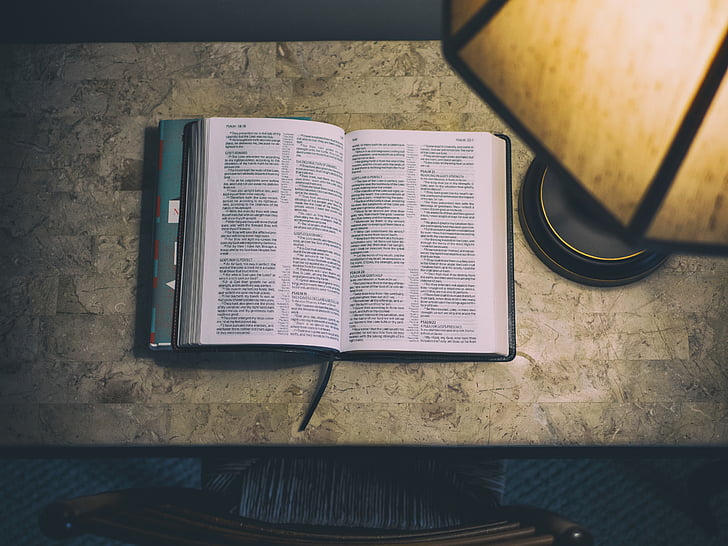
(644, 364)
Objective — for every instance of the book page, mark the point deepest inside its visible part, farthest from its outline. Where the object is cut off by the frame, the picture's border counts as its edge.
(274, 233)
(426, 239)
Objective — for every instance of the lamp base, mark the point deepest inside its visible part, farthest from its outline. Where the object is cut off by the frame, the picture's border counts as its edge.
(568, 237)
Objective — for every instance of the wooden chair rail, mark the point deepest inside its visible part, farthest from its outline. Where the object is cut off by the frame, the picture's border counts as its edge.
(191, 517)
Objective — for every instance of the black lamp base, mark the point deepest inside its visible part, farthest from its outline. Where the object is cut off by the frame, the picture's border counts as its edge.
(567, 236)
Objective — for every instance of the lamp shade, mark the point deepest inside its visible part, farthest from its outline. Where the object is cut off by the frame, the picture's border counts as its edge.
(626, 98)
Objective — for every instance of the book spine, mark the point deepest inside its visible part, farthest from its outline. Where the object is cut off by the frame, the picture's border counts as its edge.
(166, 217)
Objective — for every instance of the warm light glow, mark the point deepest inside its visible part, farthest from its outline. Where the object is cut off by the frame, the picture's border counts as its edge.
(696, 207)
(604, 86)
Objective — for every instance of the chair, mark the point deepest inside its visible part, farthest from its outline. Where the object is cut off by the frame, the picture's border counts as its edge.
(180, 516)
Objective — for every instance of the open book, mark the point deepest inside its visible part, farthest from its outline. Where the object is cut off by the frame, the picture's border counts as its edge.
(295, 234)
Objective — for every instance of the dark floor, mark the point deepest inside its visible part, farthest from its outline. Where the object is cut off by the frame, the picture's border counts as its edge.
(630, 501)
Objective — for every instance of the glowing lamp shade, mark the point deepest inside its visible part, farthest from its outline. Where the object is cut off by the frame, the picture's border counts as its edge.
(626, 98)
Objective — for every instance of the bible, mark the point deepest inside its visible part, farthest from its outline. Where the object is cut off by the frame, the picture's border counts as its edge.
(295, 235)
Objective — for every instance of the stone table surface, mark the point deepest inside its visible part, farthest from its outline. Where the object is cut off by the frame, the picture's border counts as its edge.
(644, 364)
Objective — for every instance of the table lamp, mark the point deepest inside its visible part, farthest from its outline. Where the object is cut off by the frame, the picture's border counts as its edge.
(625, 104)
